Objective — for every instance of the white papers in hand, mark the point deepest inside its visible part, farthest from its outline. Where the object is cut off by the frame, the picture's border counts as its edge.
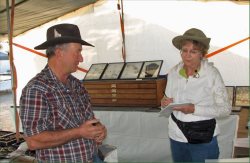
(167, 110)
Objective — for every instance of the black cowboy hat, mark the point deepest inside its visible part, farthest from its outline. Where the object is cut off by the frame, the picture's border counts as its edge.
(62, 33)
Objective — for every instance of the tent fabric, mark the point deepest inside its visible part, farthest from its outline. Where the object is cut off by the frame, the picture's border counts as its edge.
(143, 136)
(32, 13)
(147, 37)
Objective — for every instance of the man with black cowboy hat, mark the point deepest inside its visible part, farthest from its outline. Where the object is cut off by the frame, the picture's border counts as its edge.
(192, 127)
(55, 108)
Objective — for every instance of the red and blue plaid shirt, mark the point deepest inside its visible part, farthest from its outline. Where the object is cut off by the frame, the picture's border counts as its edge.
(48, 105)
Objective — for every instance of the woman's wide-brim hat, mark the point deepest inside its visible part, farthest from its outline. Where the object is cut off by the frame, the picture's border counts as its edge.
(191, 34)
(62, 33)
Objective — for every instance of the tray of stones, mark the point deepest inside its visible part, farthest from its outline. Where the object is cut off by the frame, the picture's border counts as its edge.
(4, 151)
(8, 138)
(4, 133)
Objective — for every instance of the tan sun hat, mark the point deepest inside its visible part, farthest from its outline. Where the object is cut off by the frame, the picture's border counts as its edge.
(191, 34)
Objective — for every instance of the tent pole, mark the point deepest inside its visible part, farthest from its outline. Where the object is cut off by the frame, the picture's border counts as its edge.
(121, 15)
(12, 66)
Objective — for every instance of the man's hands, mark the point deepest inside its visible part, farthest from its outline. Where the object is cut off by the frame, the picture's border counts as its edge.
(99, 138)
(48, 139)
(93, 129)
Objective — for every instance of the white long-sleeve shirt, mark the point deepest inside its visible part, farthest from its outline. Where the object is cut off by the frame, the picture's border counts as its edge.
(207, 92)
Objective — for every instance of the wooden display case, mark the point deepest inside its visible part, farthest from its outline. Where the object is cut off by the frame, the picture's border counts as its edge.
(140, 93)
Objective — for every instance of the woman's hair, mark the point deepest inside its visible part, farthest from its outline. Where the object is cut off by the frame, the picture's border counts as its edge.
(197, 44)
(50, 51)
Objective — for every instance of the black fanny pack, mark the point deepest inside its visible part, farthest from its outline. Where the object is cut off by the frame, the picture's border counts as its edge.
(197, 132)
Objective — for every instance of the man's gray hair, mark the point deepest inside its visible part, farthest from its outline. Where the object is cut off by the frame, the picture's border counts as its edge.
(50, 51)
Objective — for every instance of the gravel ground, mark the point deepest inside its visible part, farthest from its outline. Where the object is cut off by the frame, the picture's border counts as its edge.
(7, 120)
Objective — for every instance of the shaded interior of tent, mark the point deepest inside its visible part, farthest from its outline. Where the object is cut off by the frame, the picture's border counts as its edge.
(32, 13)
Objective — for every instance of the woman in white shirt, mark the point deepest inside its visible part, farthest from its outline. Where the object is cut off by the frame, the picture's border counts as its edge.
(192, 127)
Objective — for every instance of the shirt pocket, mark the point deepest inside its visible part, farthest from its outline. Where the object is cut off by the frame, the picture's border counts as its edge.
(62, 116)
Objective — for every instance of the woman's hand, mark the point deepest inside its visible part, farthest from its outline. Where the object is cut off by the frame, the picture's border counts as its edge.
(187, 109)
(166, 101)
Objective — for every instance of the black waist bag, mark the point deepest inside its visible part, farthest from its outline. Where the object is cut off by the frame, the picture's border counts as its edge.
(197, 132)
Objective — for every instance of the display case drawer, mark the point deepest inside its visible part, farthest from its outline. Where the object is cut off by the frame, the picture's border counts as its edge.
(126, 92)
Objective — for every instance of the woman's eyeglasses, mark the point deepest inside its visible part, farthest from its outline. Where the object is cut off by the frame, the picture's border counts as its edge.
(193, 52)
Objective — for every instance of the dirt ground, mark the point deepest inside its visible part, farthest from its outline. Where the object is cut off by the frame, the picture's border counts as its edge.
(7, 119)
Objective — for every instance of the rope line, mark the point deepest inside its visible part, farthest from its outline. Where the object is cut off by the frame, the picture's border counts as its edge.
(225, 48)
(43, 55)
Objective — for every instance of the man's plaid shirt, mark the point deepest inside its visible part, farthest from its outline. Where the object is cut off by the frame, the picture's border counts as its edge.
(48, 105)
